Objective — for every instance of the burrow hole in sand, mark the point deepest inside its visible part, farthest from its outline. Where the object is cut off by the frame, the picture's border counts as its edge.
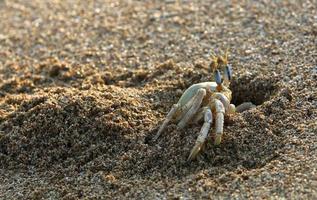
(255, 89)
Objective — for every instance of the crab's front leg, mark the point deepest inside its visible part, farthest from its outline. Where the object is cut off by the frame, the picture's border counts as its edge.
(202, 135)
(183, 112)
(229, 108)
(219, 109)
(198, 98)
(219, 120)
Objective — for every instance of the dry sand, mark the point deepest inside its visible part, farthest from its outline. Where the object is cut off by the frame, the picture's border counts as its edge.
(84, 86)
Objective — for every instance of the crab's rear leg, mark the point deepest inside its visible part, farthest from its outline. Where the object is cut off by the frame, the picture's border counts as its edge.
(202, 135)
(245, 106)
(168, 118)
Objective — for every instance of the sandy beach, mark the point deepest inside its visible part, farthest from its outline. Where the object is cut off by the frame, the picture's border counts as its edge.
(84, 86)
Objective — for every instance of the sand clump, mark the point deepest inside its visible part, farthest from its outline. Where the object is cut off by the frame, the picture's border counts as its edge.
(84, 87)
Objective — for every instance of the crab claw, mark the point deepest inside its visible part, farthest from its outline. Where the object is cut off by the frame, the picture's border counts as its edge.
(195, 150)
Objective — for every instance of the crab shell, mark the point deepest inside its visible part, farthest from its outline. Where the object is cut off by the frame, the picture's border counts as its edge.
(211, 88)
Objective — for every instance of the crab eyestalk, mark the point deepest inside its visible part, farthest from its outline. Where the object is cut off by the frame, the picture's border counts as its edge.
(227, 74)
(218, 79)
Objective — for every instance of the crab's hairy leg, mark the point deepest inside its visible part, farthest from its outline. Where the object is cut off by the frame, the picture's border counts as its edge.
(202, 135)
(168, 118)
(219, 119)
(198, 98)
(229, 108)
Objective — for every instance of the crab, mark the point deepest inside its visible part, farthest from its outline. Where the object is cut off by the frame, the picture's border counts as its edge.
(209, 101)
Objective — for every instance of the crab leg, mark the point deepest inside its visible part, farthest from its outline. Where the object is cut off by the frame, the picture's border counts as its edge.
(202, 135)
(185, 108)
(229, 108)
(220, 110)
(245, 106)
(198, 98)
(168, 118)
(199, 115)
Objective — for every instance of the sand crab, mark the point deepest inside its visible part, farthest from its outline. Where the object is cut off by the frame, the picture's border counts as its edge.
(206, 100)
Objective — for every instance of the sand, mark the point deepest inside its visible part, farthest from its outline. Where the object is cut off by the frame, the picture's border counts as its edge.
(84, 87)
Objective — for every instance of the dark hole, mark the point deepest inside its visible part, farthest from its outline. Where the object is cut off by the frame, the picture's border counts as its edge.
(255, 89)
(245, 177)
(3, 150)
